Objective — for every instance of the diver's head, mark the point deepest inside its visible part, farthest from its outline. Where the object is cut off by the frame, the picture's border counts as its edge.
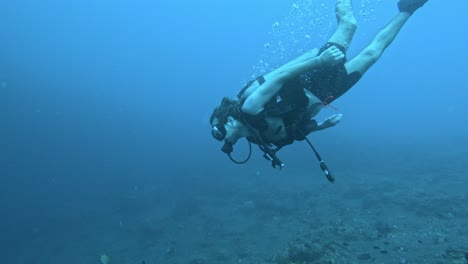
(225, 123)
(231, 131)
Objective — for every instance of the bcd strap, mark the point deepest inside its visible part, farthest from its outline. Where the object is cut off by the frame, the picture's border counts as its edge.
(260, 79)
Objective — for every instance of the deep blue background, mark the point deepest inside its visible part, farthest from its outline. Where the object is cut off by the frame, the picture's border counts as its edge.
(99, 96)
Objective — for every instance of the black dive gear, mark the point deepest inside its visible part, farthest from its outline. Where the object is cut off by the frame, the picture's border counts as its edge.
(228, 148)
(322, 164)
(269, 154)
(296, 127)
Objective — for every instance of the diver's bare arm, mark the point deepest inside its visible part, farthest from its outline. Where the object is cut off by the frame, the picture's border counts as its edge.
(256, 101)
(304, 57)
(271, 75)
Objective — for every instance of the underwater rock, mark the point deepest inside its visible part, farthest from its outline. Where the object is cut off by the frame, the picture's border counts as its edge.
(104, 259)
(364, 256)
(456, 256)
(300, 252)
(282, 258)
(383, 229)
(317, 251)
(304, 252)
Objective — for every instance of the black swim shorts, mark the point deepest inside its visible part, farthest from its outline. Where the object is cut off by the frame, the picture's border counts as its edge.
(329, 83)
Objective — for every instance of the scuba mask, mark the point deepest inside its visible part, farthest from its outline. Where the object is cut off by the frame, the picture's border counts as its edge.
(218, 131)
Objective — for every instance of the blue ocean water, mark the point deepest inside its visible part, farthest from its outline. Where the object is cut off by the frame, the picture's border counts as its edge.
(105, 145)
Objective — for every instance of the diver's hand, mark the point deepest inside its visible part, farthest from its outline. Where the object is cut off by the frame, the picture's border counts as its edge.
(331, 56)
(332, 120)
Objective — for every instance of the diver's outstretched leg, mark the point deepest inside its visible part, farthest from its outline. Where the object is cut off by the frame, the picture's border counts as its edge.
(364, 60)
(347, 24)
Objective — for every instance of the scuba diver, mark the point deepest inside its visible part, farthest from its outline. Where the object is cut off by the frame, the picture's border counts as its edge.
(277, 108)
